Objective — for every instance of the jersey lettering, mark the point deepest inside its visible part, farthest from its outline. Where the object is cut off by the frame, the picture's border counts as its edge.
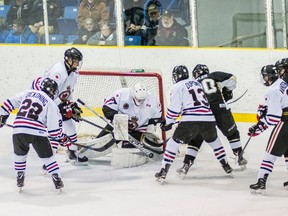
(209, 86)
(30, 110)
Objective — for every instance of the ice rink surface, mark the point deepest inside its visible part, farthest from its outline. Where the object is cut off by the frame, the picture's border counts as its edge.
(102, 190)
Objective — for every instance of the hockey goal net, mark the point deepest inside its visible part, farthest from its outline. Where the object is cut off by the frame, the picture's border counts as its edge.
(93, 86)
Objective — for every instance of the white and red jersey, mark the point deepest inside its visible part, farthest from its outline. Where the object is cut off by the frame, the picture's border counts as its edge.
(123, 102)
(38, 115)
(276, 99)
(188, 100)
(66, 83)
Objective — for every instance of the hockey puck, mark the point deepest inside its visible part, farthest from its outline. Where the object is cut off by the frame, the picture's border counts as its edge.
(151, 155)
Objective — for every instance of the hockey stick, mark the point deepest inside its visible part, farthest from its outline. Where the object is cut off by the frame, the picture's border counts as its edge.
(238, 97)
(101, 149)
(242, 152)
(146, 150)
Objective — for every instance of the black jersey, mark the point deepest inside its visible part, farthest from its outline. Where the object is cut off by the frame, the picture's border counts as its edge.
(214, 82)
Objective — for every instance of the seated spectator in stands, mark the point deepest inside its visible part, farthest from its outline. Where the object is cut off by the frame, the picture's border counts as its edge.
(150, 27)
(148, 3)
(134, 16)
(37, 24)
(106, 37)
(19, 9)
(21, 33)
(95, 9)
(170, 32)
(3, 30)
(86, 33)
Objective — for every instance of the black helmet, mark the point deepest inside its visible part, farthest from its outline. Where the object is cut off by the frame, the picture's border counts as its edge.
(179, 73)
(269, 74)
(50, 87)
(199, 70)
(74, 55)
(282, 67)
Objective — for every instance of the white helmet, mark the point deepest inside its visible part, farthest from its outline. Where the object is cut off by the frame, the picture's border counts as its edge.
(139, 93)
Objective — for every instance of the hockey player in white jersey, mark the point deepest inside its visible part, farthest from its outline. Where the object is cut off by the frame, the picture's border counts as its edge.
(188, 100)
(38, 117)
(65, 74)
(142, 107)
(276, 115)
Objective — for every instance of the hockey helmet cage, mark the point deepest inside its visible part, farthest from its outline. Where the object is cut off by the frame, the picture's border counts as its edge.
(268, 75)
(75, 56)
(50, 87)
(179, 73)
(199, 70)
(139, 93)
(282, 67)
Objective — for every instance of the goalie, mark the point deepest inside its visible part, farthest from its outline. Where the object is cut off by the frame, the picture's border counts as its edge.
(143, 111)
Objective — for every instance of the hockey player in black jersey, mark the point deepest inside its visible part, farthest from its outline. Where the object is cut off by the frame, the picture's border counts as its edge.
(282, 69)
(218, 87)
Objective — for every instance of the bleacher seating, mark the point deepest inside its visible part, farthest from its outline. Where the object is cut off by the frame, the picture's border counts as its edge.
(55, 39)
(65, 3)
(70, 12)
(131, 40)
(71, 38)
(67, 26)
(4, 10)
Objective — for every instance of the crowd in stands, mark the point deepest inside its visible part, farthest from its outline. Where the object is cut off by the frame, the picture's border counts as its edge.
(95, 22)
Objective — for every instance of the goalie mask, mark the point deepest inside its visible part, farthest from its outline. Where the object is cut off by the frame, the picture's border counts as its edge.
(50, 87)
(179, 73)
(73, 58)
(199, 70)
(268, 75)
(139, 93)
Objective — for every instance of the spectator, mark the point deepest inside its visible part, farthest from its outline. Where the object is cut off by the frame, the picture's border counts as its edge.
(3, 30)
(134, 17)
(106, 37)
(86, 33)
(95, 9)
(19, 9)
(21, 33)
(170, 32)
(150, 27)
(37, 24)
(148, 3)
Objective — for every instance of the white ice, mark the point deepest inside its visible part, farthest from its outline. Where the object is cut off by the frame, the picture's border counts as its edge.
(102, 190)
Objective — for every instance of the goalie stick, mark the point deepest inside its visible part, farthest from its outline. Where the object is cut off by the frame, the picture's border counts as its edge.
(230, 102)
(145, 149)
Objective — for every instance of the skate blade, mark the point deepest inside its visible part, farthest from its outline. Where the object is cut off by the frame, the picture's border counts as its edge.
(257, 192)
(20, 189)
(230, 175)
(181, 175)
(76, 163)
(161, 181)
(59, 191)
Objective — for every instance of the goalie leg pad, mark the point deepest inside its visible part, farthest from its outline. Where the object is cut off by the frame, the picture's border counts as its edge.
(125, 158)
(120, 122)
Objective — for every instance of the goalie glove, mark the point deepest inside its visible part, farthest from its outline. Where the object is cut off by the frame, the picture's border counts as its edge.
(256, 129)
(164, 126)
(227, 94)
(261, 112)
(3, 119)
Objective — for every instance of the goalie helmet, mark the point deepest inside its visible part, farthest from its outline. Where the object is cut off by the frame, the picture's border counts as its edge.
(282, 67)
(73, 58)
(50, 87)
(179, 73)
(199, 70)
(139, 93)
(268, 75)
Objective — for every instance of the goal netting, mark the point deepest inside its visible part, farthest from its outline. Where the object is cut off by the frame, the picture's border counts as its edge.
(92, 88)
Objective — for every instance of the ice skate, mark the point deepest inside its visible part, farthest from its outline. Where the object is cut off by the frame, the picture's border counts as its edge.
(227, 168)
(76, 158)
(260, 186)
(240, 161)
(285, 184)
(161, 176)
(57, 182)
(20, 180)
(182, 172)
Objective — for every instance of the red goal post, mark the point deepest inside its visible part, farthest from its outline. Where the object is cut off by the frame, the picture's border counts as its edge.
(93, 86)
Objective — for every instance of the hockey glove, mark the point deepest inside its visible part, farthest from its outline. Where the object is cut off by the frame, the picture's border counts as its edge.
(76, 112)
(165, 127)
(66, 110)
(256, 129)
(3, 119)
(261, 112)
(66, 142)
(227, 94)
